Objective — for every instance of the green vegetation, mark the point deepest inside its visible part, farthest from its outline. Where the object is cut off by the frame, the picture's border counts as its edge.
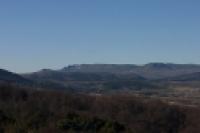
(79, 123)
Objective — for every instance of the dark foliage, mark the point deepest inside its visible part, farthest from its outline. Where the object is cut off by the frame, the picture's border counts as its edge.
(23, 111)
(79, 123)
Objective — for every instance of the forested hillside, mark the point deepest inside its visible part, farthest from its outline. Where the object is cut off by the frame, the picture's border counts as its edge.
(23, 111)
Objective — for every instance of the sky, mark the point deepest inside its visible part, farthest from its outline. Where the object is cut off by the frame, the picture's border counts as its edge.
(37, 34)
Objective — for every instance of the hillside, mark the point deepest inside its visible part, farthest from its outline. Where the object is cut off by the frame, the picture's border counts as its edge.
(150, 71)
(24, 111)
(112, 77)
(10, 77)
(87, 81)
(187, 77)
(81, 76)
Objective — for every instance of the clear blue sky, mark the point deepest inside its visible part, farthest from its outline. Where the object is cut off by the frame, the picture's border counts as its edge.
(37, 34)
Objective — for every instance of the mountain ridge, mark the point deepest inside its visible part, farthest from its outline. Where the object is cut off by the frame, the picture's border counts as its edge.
(11, 77)
(151, 70)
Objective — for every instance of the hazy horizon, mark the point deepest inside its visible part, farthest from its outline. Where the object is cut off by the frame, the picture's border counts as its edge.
(52, 34)
(59, 68)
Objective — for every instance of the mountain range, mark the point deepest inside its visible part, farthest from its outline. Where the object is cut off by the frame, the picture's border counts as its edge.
(150, 71)
(103, 77)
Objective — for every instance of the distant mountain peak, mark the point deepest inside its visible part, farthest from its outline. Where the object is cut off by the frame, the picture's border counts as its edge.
(160, 65)
(46, 70)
